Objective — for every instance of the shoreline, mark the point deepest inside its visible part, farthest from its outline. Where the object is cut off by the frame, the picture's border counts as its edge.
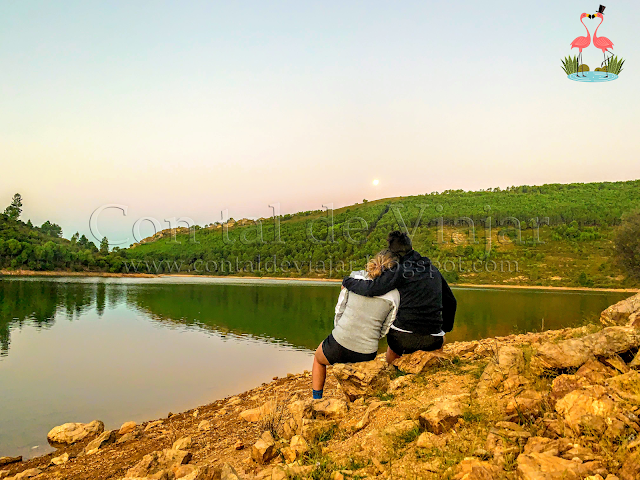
(32, 273)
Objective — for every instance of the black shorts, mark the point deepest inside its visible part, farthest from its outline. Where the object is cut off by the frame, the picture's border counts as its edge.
(404, 343)
(336, 353)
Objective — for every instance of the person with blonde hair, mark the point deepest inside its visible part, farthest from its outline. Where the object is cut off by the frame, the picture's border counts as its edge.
(359, 324)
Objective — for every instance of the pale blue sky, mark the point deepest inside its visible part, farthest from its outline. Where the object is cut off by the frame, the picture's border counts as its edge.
(187, 108)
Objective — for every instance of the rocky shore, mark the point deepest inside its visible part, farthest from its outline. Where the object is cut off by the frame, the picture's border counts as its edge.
(555, 405)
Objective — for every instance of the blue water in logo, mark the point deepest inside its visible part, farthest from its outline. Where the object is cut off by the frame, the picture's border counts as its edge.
(592, 77)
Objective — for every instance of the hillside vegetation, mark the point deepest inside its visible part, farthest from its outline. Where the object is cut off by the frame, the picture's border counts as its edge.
(558, 234)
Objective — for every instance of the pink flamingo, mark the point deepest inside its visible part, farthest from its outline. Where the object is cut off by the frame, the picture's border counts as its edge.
(582, 42)
(603, 43)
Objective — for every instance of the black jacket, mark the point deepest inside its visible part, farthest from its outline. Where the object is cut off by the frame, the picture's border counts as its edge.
(427, 304)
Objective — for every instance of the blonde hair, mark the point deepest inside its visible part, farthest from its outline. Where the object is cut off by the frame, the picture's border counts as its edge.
(383, 260)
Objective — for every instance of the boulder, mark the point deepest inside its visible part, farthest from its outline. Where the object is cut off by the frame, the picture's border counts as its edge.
(612, 340)
(541, 466)
(625, 312)
(157, 462)
(363, 379)
(104, 439)
(364, 421)
(526, 405)
(60, 460)
(204, 426)
(589, 408)
(182, 443)
(152, 425)
(474, 469)
(564, 384)
(299, 445)
(329, 408)
(616, 362)
(583, 68)
(127, 427)
(419, 361)
(127, 437)
(264, 449)
(400, 382)
(443, 413)
(9, 460)
(71, 433)
(430, 440)
(508, 362)
(256, 414)
(595, 372)
(30, 473)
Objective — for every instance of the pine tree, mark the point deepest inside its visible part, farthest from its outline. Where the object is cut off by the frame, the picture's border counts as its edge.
(14, 210)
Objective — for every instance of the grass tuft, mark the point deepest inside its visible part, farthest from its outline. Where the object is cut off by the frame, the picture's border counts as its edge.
(570, 65)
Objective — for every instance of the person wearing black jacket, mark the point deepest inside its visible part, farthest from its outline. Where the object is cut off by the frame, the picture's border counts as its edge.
(427, 306)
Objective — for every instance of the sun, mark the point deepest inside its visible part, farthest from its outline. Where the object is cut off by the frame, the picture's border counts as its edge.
(376, 182)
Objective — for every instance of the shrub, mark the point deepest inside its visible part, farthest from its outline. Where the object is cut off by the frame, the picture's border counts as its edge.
(627, 243)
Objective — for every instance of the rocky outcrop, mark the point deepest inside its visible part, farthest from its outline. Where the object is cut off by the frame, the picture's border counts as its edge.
(71, 433)
(443, 414)
(625, 312)
(508, 362)
(419, 361)
(363, 379)
(8, 460)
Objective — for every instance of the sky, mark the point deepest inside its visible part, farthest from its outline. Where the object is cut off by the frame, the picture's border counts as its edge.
(185, 109)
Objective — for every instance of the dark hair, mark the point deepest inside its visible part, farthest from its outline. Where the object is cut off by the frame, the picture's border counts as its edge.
(399, 243)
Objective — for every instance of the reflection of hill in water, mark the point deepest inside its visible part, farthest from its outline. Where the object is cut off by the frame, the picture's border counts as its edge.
(299, 315)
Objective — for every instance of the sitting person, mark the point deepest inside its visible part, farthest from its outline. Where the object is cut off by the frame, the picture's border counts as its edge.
(360, 323)
(427, 306)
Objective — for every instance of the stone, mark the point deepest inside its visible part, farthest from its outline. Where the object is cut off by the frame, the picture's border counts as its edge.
(60, 460)
(151, 425)
(541, 466)
(595, 372)
(182, 443)
(583, 68)
(239, 445)
(299, 445)
(71, 433)
(430, 440)
(288, 454)
(625, 312)
(256, 414)
(363, 379)
(572, 353)
(564, 384)
(507, 362)
(204, 426)
(228, 473)
(329, 408)
(543, 445)
(400, 428)
(127, 427)
(127, 437)
(525, 405)
(9, 460)
(104, 439)
(443, 414)
(159, 461)
(289, 428)
(264, 449)
(4, 474)
(419, 361)
(312, 430)
(612, 340)
(514, 383)
(400, 382)
(474, 469)
(616, 362)
(364, 421)
(631, 467)
(30, 473)
(589, 408)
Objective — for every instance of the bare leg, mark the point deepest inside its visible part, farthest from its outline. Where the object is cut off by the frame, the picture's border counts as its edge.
(391, 356)
(319, 370)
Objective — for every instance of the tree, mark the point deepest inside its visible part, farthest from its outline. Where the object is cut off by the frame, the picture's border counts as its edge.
(51, 229)
(628, 243)
(104, 246)
(14, 210)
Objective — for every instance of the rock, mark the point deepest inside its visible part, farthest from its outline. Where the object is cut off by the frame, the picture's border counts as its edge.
(288, 454)
(564, 384)
(127, 437)
(400, 382)
(104, 439)
(595, 372)
(9, 460)
(508, 362)
(264, 449)
(443, 414)
(617, 363)
(159, 461)
(204, 426)
(182, 443)
(612, 340)
(419, 361)
(329, 408)
(151, 425)
(289, 428)
(430, 440)
(4, 474)
(400, 428)
(571, 353)
(635, 363)
(631, 467)
(127, 427)
(545, 445)
(540, 466)
(70, 433)
(32, 472)
(362, 379)
(583, 68)
(625, 312)
(60, 460)
(313, 430)
(256, 414)
(239, 445)
(299, 445)
(228, 473)
(525, 405)
(514, 383)
(589, 408)
(364, 421)
(474, 469)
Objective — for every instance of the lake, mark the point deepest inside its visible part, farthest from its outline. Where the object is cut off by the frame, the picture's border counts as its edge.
(118, 349)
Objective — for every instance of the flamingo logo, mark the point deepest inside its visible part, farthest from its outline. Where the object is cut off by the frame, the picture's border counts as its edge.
(610, 67)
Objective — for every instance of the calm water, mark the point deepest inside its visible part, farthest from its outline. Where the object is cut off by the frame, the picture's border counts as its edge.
(134, 349)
